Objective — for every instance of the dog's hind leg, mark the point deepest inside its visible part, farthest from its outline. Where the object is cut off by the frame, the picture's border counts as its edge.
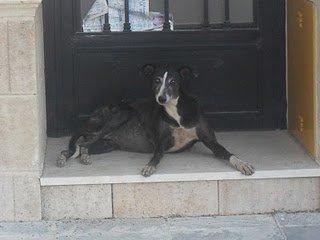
(101, 123)
(84, 156)
(72, 152)
(63, 157)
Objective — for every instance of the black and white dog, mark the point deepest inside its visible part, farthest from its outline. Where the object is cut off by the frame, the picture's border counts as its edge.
(170, 122)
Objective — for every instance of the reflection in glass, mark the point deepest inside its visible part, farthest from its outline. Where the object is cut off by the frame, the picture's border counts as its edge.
(241, 11)
(216, 11)
(141, 18)
(148, 15)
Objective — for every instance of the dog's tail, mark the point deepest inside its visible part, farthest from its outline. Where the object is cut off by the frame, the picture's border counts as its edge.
(74, 148)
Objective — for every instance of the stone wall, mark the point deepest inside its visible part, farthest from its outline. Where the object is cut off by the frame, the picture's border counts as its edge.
(22, 109)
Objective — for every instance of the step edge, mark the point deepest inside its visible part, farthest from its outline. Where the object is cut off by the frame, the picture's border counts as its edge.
(187, 177)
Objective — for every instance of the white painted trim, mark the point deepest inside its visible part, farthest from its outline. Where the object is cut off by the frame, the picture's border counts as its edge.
(189, 177)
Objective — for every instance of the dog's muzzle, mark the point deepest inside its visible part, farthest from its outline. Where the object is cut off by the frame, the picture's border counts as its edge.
(162, 99)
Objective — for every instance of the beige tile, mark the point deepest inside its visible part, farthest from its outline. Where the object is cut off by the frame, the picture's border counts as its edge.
(6, 199)
(20, 125)
(27, 200)
(22, 58)
(262, 196)
(165, 199)
(4, 68)
(82, 201)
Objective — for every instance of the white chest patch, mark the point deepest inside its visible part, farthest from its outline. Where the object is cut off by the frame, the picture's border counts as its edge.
(171, 109)
(182, 137)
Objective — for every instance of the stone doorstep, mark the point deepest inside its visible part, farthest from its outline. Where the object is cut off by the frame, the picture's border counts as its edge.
(186, 184)
(200, 198)
(274, 154)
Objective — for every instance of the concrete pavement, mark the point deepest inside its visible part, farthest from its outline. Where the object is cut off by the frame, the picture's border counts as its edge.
(297, 226)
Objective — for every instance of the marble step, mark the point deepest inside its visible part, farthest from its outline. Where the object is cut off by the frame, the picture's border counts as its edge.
(192, 183)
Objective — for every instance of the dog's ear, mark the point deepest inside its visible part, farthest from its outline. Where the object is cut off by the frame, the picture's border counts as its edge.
(186, 72)
(148, 70)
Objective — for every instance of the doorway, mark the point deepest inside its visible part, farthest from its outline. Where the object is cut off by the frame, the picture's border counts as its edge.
(237, 50)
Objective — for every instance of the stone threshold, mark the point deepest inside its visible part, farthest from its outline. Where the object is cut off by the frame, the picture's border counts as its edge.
(275, 154)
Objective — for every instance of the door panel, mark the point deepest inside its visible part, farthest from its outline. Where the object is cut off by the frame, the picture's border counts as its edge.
(233, 95)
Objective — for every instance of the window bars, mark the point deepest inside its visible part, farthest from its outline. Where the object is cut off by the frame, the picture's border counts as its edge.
(204, 25)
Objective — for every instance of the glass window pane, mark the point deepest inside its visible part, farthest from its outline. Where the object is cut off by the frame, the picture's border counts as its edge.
(181, 11)
(148, 15)
(156, 5)
(93, 15)
(241, 11)
(187, 11)
(85, 7)
(216, 11)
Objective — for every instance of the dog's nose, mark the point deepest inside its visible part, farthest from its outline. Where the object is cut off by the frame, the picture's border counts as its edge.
(162, 99)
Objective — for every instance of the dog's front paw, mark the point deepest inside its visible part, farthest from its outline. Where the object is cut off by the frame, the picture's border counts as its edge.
(85, 159)
(148, 170)
(244, 167)
(61, 160)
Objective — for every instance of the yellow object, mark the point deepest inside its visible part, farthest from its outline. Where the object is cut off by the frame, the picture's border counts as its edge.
(301, 72)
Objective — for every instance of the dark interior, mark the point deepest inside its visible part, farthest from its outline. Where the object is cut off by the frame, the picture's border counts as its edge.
(238, 55)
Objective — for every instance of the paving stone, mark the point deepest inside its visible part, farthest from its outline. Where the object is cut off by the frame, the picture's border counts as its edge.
(300, 226)
(256, 227)
(302, 233)
(231, 227)
(298, 219)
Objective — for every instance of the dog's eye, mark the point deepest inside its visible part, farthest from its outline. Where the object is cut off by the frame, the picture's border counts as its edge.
(157, 80)
(172, 81)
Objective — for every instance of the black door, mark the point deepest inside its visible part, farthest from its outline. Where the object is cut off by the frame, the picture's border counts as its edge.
(238, 55)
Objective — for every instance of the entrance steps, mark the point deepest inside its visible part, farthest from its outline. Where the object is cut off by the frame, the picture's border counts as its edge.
(192, 183)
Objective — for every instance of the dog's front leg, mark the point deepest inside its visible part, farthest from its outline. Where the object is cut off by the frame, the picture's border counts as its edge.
(150, 168)
(209, 140)
(220, 152)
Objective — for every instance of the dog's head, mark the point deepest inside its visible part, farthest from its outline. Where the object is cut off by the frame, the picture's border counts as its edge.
(167, 83)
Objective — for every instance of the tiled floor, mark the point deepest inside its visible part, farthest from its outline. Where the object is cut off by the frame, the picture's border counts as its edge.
(299, 226)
